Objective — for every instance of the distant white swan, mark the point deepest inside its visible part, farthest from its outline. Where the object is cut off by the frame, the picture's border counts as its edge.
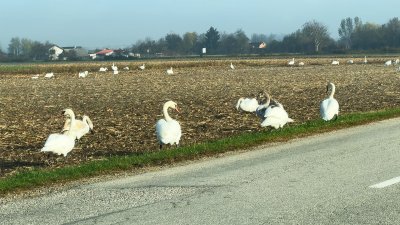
(388, 63)
(350, 61)
(115, 72)
(329, 107)
(291, 62)
(335, 62)
(103, 69)
(170, 71)
(61, 144)
(126, 68)
(247, 104)
(49, 75)
(142, 67)
(276, 116)
(365, 60)
(80, 128)
(168, 130)
(301, 63)
(232, 66)
(114, 67)
(83, 74)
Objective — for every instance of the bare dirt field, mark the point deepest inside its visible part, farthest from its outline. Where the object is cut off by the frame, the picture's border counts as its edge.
(124, 108)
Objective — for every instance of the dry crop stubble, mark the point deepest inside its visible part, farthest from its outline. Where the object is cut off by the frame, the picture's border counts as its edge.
(125, 108)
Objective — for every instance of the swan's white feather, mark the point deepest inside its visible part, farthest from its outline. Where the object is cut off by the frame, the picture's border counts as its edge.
(247, 104)
(330, 106)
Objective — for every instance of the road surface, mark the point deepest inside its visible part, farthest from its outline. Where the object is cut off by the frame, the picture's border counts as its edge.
(345, 177)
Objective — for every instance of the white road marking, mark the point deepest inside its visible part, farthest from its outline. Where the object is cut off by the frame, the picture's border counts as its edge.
(386, 183)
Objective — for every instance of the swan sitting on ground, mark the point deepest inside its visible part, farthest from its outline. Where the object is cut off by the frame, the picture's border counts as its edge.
(232, 66)
(83, 74)
(80, 128)
(388, 63)
(276, 116)
(103, 69)
(49, 75)
(61, 144)
(142, 67)
(247, 104)
(170, 71)
(168, 130)
(291, 62)
(330, 106)
(335, 62)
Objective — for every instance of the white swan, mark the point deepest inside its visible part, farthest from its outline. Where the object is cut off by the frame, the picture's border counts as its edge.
(301, 63)
(168, 130)
(103, 69)
(80, 128)
(232, 66)
(388, 63)
(291, 62)
(335, 62)
(126, 68)
(115, 72)
(142, 67)
(49, 75)
(61, 144)
(113, 67)
(329, 107)
(247, 104)
(350, 61)
(170, 71)
(365, 60)
(83, 74)
(276, 116)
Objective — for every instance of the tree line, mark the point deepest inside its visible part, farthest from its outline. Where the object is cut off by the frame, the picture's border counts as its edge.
(312, 38)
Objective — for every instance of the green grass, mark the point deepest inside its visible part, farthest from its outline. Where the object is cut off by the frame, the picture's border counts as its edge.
(27, 180)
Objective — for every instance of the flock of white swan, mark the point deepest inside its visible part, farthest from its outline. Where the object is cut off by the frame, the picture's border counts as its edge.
(168, 130)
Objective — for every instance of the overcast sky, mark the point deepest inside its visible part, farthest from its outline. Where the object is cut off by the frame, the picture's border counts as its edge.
(120, 23)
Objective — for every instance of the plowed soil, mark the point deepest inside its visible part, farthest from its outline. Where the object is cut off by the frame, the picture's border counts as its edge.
(124, 108)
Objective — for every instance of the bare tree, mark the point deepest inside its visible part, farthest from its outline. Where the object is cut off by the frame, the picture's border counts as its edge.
(317, 33)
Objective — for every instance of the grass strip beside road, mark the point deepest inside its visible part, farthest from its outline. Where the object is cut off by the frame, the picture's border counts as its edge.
(27, 180)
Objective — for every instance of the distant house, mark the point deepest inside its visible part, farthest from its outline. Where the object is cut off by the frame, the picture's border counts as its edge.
(56, 51)
(258, 45)
(102, 54)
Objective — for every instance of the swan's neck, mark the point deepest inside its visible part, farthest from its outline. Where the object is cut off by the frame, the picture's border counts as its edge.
(165, 112)
(71, 125)
(266, 104)
(332, 91)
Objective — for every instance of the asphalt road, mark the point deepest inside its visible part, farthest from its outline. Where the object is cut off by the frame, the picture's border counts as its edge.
(325, 179)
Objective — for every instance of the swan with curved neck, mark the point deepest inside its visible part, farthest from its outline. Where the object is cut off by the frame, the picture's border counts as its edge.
(80, 128)
(260, 111)
(329, 107)
(168, 130)
(62, 144)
